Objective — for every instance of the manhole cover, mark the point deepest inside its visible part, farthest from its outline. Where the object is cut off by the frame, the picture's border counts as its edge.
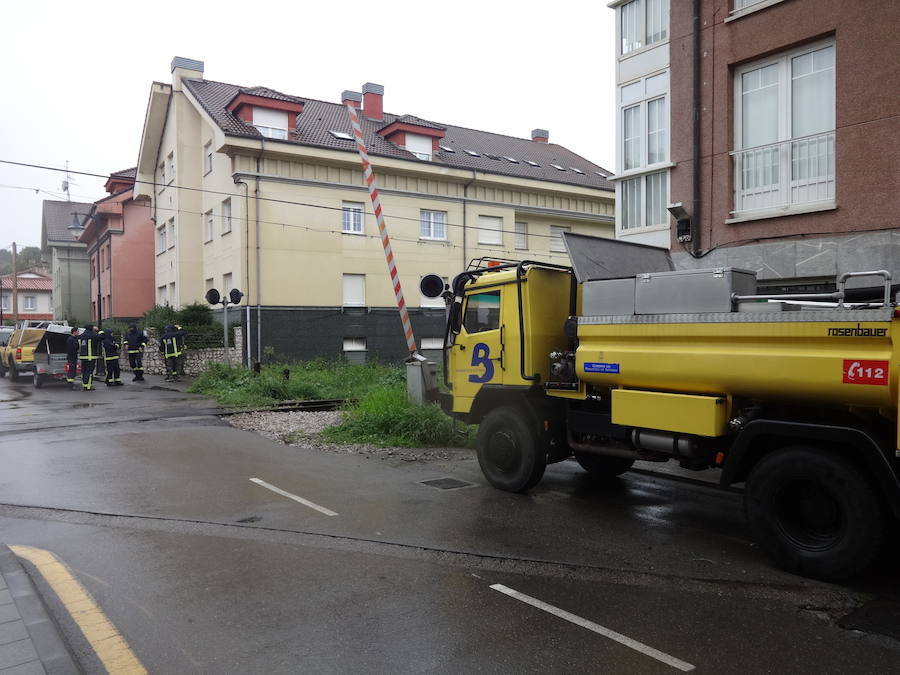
(446, 483)
(875, 617)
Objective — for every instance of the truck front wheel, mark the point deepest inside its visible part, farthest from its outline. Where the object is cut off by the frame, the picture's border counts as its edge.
(510, 454)
(814, 513)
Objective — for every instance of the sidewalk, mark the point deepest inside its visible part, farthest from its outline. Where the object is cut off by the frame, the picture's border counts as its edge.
(30, 642)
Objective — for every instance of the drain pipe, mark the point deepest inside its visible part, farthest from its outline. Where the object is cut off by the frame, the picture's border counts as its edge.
(238, 181)
(695, 208)
(262, 149)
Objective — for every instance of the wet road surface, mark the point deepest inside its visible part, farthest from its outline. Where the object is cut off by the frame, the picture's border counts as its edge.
(147, 497)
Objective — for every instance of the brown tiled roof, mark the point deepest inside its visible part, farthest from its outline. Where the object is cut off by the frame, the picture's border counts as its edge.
(265, 92)
(320, 117)
(125, 173)
(56, 218)
(38, 283)
(418, 121)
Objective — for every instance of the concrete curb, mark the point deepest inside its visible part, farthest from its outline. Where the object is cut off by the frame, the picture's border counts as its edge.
(43, 633)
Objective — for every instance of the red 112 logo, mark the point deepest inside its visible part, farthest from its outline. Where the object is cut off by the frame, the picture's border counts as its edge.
(865, 372)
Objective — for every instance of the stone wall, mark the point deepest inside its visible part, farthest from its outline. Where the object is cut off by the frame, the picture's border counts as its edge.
(195, 360)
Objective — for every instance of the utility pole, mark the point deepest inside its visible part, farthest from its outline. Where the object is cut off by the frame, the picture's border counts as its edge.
(15, 286)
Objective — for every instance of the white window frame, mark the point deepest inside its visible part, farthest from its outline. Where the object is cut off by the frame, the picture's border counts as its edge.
(263, 119)
(785, 188)
(641, 181)
(556, 243)
(641, 104)
(355, 344)
(350, 298)
(427, 223)
(207, 158)
(640, 8)
(210, 222)
(521, 243)
(162, 295)
(171, 234)
(226, 215)
(227, 283)
(29, 303)
(353, 218)
(419, 145)
(210, 283)
(490, 235)
(161, 243)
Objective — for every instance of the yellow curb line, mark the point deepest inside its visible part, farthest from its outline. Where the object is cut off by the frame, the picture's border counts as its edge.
(104, 638)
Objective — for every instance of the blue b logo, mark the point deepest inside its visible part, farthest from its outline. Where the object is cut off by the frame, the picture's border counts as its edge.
(481, 356)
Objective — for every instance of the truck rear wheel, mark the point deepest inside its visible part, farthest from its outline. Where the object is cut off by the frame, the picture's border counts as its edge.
(603, 466)
(814, 513)
(38, 380)
(509, 452)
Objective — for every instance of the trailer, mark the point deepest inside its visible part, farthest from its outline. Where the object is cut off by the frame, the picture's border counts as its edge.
(49, 358)
(622, 358)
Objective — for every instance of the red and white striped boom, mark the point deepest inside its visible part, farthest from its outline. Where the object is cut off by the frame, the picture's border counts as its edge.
(382, 229)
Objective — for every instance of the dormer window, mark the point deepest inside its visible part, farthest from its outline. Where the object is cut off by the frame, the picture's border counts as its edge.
(420, 146)
(271, 123)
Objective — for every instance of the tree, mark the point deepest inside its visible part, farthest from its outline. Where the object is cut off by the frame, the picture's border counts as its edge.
(27, 257)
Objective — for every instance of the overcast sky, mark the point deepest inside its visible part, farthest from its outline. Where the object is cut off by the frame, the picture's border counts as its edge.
(77, 75)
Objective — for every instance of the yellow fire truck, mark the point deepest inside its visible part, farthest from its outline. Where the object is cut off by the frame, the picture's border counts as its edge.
(620, 358)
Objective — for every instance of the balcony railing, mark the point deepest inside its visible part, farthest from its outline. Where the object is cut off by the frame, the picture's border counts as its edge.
(785, 174)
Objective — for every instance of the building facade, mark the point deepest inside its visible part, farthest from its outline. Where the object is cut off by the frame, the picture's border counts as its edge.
(643, 96)
(67, 258)
(34, 294)
(257, 190)
(119, 237)
(792, 170)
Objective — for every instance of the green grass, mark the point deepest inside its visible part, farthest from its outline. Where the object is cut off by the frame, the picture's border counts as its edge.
(385, 416)
(236, 387)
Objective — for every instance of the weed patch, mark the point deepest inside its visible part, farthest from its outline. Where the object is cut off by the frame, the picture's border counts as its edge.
(386, 417)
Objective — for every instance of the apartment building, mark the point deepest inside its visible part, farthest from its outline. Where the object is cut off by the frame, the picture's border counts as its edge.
(792, 168)
(254, 189)
(119, 237)
(643, 96)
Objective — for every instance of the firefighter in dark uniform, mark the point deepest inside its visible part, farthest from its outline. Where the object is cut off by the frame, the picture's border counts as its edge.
(182, 348)
(136, 340)
(72, 357)
(89, 348)
(111, 352)
(169, 345)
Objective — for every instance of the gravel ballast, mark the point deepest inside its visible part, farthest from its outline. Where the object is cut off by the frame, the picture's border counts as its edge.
(302, 430)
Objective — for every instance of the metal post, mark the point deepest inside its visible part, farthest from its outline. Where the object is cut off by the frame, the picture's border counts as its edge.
(227, 353)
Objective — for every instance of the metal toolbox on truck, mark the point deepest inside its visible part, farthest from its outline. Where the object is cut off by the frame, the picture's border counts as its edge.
(608, 297)
(691, 291)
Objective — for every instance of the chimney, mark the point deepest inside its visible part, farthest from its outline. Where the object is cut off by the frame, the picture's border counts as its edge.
(353, 98)
(182, 68)
(540, 135)
(373, 101)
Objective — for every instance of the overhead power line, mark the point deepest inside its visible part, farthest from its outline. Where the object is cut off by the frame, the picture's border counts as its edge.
(266, 199)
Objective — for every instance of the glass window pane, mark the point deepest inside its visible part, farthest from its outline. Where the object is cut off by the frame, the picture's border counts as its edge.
(631, 26)
(812, 93)
(556, 239)
(631, 92)
(631, 125)
(521, 236)
(489, 230)
(656, 131)
(631, 203)
(482, 312)
(657, 20)
(656, 199)
(759, 106)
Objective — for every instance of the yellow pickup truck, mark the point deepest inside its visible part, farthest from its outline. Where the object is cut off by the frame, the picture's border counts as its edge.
(17, 356)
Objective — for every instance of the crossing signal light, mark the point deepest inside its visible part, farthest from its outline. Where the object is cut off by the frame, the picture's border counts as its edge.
(235, 296)
(213, 297)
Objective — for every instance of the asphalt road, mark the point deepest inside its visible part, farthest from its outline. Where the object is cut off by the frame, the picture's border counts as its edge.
(146, 496)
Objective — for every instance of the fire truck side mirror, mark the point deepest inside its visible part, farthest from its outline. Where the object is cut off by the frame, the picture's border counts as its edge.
(431, 286)
(213, 297)
(235, 296)
(455, 317)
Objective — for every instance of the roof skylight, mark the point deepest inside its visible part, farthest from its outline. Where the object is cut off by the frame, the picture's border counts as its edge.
(473, 153)
(528, 161)
(342, 135)
(489, 156)
(572, 168)
(446, 149)
(557, 167)
(601, 174)
(511, 159)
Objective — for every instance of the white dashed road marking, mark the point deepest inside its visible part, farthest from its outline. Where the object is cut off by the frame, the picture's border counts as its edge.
(299, 500)
(597, 628)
